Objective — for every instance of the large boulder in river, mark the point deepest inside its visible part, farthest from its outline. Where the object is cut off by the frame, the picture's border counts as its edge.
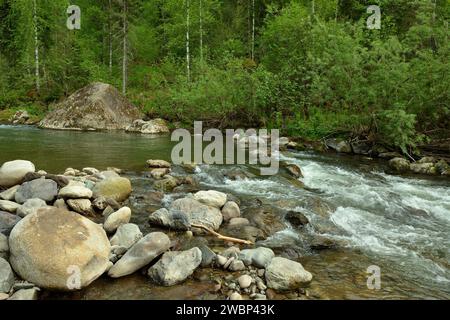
(13, 172)
(198, 213)
(52, 246)
(98, 106)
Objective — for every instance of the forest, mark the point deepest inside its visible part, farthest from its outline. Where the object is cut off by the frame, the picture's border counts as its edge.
(310, 67)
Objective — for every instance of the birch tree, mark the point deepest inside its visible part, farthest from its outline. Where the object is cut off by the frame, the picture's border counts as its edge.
(125, 48)
(36, 47)
(188, 54)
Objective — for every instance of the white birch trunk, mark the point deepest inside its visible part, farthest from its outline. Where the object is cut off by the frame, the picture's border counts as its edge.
(125, 49)
(188, 54)
(36, 47)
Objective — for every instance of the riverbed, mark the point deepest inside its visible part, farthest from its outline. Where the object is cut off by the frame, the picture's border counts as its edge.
(400, 224)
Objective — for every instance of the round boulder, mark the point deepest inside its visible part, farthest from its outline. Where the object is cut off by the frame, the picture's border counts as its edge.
(116, 188)
(52, 246)
(13, 172)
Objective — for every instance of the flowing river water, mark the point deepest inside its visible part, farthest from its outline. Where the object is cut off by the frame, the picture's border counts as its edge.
(400, 224)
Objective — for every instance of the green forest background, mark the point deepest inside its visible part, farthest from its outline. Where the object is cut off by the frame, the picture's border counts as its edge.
(311, 67)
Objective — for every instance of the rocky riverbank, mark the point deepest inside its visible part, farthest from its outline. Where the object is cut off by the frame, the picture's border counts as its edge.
(62, 232)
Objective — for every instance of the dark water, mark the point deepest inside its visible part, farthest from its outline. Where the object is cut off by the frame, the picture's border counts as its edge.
(399, 223)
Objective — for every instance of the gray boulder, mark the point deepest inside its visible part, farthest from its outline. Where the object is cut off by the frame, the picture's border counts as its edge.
(126, 235)
(7, 222)
(283, 274)
(339, 145)
(172, 219)
(140, 254)
(6, 276)
(175, 267)
(399, 164)
(44, 189)
(230, 210)
(30, 206)
(259, 257)
(198, 213)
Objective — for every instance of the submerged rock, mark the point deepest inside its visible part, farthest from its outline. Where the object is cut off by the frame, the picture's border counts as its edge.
(283, 274)
(45, 246)
(98, 106)
(296, 219)
(175, 267)
(140, 254)
(13, 172)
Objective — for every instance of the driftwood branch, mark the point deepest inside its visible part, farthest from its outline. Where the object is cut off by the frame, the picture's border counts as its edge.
(222, 237)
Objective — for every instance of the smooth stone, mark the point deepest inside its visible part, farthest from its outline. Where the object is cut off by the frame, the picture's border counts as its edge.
(90, 171)
(158, 164)
(25, 294)
(221, 260)
(13, 172)
(4, 246)
(82, 206)
(116, 219)
(237, 265)
(259, 257)
(211, 198)
(126, 235)
(399, 164)
(167, 184)
(208, 256)
(230, 210)
(235, 296)
(73, 191)
(141, 254)
(159, 173)
(245, 281)
(9, 206)
(283, 274)
(30, 206)
(173, 219)
(61, 204)
(47, 244)
(43, 189)
(239, 222)
(7, 222)
(117, 188)
(198, 213)
(9, 194)
(6, 276)
(175, 267)
(294, 170)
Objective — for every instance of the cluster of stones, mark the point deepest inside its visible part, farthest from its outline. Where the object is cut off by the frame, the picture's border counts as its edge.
(426, 165)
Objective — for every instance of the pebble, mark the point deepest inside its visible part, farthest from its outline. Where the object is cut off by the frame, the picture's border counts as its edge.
(221, 260)
(237, 265)
(245, 281)
(235, 296)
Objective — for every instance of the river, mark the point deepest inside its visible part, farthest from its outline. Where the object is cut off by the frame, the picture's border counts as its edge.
(400, 224)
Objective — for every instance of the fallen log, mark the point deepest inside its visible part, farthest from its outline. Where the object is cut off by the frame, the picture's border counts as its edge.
(222, 237)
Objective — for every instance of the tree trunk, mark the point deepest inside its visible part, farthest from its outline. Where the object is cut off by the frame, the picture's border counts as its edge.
(253, 29)
(125, 49)
(110, 37)
(188, 54)
(36, 47)
(201, 32)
